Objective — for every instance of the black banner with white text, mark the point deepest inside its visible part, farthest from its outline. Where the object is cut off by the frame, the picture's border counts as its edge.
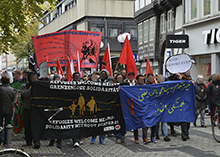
(64, 110)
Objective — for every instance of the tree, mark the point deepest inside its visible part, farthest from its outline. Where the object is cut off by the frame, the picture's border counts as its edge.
(20, 48)
(16, 16)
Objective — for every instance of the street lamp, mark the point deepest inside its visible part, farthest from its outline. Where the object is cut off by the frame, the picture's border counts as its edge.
(121, 38)
(100, 62)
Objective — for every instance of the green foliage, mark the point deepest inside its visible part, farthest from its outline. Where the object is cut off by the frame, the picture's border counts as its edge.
(15, 18)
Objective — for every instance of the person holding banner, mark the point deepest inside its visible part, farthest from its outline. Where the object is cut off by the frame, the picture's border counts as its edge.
(103, 78)
(184, 125)
(140, 81)
(160, 79)
(131, 79)
(150, 80)
(120, 137)
(26, 98)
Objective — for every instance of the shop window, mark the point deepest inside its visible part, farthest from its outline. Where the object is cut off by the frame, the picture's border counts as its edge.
(146, 26)
(152, 28)
(98, 28)
(203, 66)
(207, 7)
(132, 29)
(193, 9)
(170, 20)
(114, 30)
(162, 23)
(140, 37)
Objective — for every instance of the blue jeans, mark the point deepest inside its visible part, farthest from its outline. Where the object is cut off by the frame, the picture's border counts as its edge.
(7, 118)
(164, 128)
(101, 137)
(119, 135)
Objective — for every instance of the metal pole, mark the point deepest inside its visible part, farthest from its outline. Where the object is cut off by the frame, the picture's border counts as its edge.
(8, 133)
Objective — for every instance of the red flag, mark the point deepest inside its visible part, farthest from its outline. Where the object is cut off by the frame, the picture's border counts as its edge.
(59, 69)
(107, 60)
(69, 70)
(82, 74)
(78, 63)
(127, 58)
(149, 68)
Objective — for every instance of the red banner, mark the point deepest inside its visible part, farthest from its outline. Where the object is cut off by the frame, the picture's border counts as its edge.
(67, 43)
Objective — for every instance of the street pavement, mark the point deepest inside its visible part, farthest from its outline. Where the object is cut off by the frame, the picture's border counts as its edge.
(201, 144)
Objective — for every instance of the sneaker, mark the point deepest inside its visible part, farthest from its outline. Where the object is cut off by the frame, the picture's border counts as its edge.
(194, 124)
(80, 142)
(93, 140)
(76, 144)
(118, 141)
(145, 141)
(157, 137)
(174, 133)
(184, 139)
(153, 140)
(136, 141)
(167, 139)
(203, 126)
(102, 142)
(123, 139)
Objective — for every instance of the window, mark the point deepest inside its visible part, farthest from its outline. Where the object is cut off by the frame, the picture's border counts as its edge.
(146, 25)
(114, 30)
(136, 5)
(193, 9)
(98, 28)
(152, 28)
(132, 29)
(170, 20)
(141, 4)
(140, 38)
(207, 7)
(218, 5)
(148, 2)
(162, 23)
(203, 66)
(47, 20)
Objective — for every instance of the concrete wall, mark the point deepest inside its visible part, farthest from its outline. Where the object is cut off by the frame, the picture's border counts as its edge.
(98, 8)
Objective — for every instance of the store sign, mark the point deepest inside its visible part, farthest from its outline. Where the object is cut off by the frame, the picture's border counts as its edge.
(211, 36)
(177, 41)
(179, 63)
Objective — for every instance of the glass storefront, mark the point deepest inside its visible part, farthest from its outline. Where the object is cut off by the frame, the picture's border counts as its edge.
(203, 66)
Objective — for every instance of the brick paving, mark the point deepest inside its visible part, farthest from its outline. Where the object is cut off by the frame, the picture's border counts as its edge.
(201, 144)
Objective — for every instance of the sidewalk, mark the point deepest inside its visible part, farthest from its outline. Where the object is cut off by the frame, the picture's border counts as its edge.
(201, 144)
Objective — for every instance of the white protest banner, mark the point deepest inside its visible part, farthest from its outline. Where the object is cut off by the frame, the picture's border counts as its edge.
(43, 69)
(179, 63)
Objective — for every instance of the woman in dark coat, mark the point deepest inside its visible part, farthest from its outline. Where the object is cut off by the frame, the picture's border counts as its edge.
(6, 111)
(214, 94)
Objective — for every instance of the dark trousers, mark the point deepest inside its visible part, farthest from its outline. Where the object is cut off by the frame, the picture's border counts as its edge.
(185, 129)
(7, 118)
(153, 131)
(144, 132)
(27, 125)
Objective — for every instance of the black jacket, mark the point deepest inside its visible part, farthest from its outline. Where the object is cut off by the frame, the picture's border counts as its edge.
(201, 96)
(214, 93)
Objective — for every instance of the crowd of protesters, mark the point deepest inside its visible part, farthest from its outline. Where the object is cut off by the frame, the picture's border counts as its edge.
(206, 95)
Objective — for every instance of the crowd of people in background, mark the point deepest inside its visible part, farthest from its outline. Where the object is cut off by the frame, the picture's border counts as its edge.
(206, 96)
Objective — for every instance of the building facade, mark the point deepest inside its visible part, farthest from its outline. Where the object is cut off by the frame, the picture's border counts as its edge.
(111, 17)
(156, 19)
(202, 24)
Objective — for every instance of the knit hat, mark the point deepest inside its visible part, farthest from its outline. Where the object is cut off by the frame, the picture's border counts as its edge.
(106, 71)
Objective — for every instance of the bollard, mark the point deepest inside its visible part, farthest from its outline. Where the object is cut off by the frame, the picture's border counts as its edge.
(8, 133)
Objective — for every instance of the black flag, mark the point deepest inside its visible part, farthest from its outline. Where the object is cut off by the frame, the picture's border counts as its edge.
(32, 64)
